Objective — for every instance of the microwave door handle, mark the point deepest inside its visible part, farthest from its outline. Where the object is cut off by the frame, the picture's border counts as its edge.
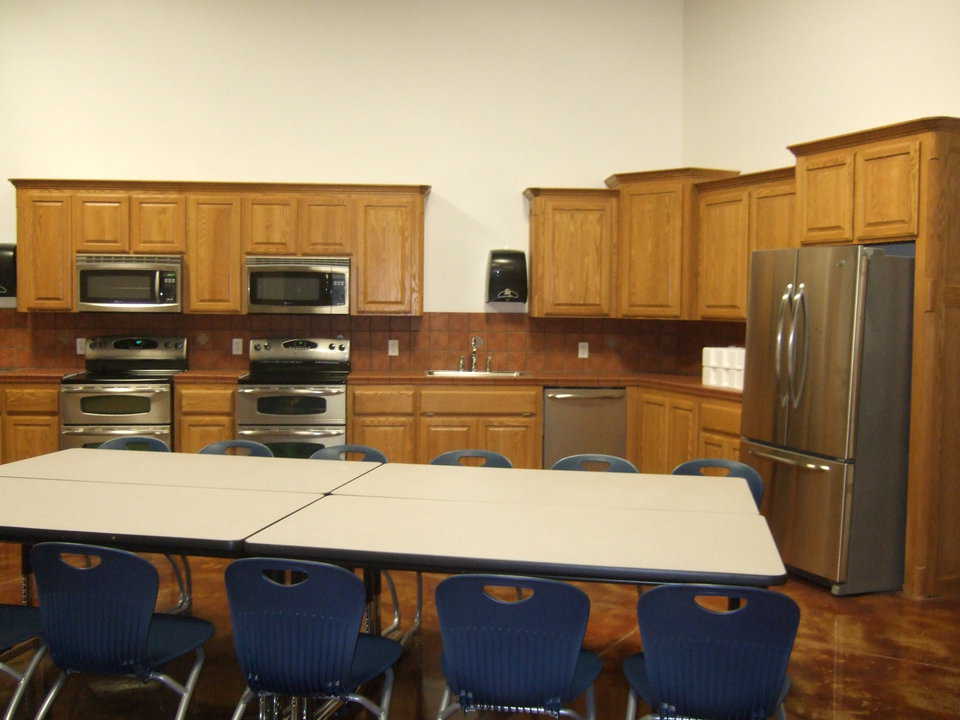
(778, 351)
(156, 286)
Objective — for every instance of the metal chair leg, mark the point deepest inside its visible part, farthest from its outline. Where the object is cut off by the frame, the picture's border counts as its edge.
(242, 705)
(631, 705)
(418, 615)
(184, 580)
(22, 681)
(51, 696)
(392, 589)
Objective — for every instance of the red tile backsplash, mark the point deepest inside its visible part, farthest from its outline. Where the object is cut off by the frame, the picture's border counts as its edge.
(434, 341)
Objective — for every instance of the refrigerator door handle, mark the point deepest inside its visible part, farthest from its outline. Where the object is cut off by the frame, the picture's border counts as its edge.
(778, 352)
(787, 461)
(798, 380)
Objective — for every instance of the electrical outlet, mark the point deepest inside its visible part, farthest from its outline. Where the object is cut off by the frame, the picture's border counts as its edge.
(237, 346)
(393, 348)
(583, 350)
(81, 346)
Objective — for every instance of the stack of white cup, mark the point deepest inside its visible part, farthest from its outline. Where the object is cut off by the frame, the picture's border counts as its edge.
(723, 367)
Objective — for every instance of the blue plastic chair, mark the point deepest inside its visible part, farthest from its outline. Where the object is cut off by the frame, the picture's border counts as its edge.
(576, 462)
(490, 458)
(304, 639)
(136, 442)
(706, 663)
(736, 469)
(514, 656)
(19, 623)
(340, 452)
(100, 619)
(220, 448)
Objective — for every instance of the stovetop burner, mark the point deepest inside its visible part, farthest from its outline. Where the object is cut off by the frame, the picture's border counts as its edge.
(131, 358)
(298, 361)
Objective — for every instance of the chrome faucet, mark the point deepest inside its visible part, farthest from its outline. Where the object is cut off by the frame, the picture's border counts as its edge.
(475, 342)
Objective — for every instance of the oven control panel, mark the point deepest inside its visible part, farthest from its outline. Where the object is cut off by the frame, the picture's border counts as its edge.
(299, 349)
(136, 347)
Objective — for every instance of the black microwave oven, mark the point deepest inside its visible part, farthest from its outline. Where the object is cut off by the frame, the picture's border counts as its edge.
(310, 285)
(8, 275)
(128, 283)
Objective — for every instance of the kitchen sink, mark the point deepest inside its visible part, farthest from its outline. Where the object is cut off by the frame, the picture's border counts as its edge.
(474, 373)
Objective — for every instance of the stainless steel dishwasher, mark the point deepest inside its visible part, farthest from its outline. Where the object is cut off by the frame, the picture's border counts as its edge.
(583, 420)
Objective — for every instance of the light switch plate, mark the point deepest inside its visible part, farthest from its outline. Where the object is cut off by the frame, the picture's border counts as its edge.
(237, 346)
(81, 346)
(393, 348)
(583, 350)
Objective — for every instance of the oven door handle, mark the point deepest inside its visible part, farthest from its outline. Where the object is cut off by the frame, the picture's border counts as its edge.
(114, 389)
(100, 430)
(293, 390)
(296, 433)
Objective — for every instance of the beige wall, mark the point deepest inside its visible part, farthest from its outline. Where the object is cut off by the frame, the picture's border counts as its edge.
(762, 74)
(477, 99)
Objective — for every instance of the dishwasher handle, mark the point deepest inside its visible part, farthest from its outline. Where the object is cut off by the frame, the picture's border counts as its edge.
(585, 394)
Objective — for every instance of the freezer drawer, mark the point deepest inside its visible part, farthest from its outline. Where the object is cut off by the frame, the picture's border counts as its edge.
(809, 508)
(583, 420)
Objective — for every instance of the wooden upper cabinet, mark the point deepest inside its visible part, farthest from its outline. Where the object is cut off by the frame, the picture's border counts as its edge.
(45, 251)
(387, 267)
(325, 225)
(772, 217)
(270, 224)
(724, 241)
(651, 266)
(158, 223)
(213, 261)
(101, 222)
(887, 191)
(825, 193)
(573, 251)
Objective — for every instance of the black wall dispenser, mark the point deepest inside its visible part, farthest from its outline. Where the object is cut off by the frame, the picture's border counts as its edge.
(507, 281)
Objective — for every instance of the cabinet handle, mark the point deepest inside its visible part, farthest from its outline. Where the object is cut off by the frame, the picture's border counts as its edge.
(428, 414)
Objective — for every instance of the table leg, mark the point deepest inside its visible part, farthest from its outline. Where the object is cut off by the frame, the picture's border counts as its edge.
(371, 582)
(26, 574)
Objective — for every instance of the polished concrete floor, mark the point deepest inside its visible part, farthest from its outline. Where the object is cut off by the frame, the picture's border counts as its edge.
(876, 656)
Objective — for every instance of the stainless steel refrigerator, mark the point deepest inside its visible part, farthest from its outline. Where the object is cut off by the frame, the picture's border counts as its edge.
(826, 407)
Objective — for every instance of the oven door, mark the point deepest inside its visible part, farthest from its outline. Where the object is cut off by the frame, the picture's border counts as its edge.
(292, 441)
(92, 436)
(291, 405)
(120, 404)
(127, 285)
(297, 287)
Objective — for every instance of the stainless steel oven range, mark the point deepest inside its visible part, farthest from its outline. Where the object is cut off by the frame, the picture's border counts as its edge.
(294, 399)
(126, 390)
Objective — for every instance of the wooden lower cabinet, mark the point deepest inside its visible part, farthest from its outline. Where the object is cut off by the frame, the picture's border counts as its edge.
(412, 424)
(31, 421)
(667, 428)
(382, 417)
(204, 414)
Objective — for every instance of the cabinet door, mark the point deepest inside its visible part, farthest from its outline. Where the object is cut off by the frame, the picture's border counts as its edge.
(325, 225)
(652, 410)
(825, 193)
(101, 222)
(213, 254)
(722, 277)
(44, 251)
(717, 445)
(270, 224)
(194, 432)
(682, 431)
(158, 223)
(440, 434)
(773, 223)
(573, 255)
(516, 437)
(652, 251)
(887, 196)
(387, 268)
(26, 436)
(394, 436)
